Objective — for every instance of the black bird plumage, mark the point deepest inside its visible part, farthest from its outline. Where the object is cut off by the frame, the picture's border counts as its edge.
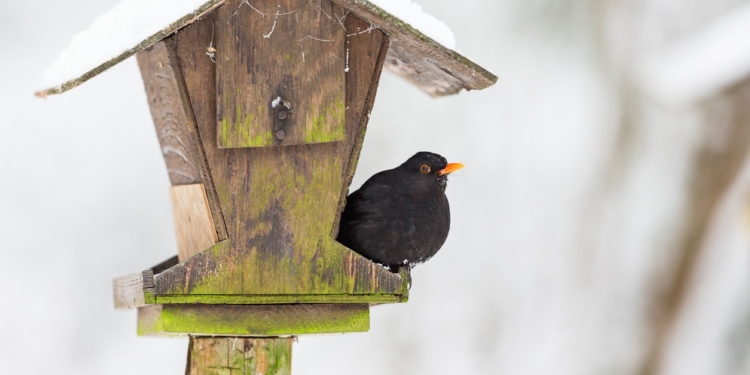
(400, 216)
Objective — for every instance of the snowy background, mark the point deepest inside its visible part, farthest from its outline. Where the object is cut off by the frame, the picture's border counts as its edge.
(582, 195)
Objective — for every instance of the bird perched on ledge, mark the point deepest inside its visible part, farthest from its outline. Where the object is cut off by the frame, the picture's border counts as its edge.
(400, 216)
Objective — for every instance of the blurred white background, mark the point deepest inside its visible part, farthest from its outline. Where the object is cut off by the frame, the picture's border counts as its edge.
(598, 227)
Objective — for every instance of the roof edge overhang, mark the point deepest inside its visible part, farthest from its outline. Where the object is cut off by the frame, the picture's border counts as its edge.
(412, 55)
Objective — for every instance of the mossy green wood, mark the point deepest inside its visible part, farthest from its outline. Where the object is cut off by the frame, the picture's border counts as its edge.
(252, 320)
(239, 356)
(287, 49)
(280, 204)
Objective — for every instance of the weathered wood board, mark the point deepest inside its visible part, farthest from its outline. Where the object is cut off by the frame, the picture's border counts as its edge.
(280, 70)
(252, 320)
(175, 124)
(419, 59)
(134, 290)
(239, 356)
(365, 65)
(192, 220)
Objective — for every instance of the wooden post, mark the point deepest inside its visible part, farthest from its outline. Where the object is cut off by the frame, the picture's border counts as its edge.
(239, 356)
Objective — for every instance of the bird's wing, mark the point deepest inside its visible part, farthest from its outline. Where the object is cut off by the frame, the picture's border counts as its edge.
(368, 204)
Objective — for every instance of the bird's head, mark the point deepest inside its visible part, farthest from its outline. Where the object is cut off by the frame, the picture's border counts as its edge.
(427, 171)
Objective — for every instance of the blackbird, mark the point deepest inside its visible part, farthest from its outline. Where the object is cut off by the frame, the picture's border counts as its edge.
(400, 216)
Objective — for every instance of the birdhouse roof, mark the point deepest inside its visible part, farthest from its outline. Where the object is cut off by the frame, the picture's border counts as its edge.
(420, 45)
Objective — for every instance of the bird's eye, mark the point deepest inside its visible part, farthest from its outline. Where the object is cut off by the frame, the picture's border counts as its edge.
(424, 168)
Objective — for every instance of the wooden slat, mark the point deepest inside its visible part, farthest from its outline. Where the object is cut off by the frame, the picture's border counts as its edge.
(280, 205)
(294, 51)
(239, 356)
(252, 320)
(276, 299)
(175, 124)
(192, 220)
(419, 59)
(169, 115)
(133, 290)
(366, 53)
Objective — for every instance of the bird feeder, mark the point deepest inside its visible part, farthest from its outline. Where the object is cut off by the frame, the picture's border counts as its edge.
(260, 109)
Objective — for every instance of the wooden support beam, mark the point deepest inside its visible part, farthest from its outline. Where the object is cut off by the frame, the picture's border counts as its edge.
(239, 356)
(252, 320)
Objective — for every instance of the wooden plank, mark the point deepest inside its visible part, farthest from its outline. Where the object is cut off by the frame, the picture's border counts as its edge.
(192, 220)
(169, 115)
(252, 320)
(207, 7)
(287, 49)
(239, 356)
(275, 299)
(175, 124)
(138, 290)
(280, 204)
(419, 59)
(366, 53)
(133, 290)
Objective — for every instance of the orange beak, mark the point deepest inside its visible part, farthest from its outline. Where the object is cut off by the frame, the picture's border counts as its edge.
(450, 168)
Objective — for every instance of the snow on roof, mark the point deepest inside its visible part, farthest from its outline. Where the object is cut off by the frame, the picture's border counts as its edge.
(134, 25)
(701, 64)
(118, 34)
(413, 14)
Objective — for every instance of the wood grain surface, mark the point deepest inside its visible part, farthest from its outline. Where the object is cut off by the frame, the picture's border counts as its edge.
(287, 49)
(192, 220)
(252, 320)
(175, 124)
(239, 356)
(435, 69)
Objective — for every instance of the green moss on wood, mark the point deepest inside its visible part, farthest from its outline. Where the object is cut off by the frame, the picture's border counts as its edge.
(278, 196)
(287, 213)
(246, 129)
(268, 299)
(240, 356)
(328, 125)
(263, 320)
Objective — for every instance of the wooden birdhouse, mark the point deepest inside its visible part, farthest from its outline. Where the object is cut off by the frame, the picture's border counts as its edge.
(260, 108)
